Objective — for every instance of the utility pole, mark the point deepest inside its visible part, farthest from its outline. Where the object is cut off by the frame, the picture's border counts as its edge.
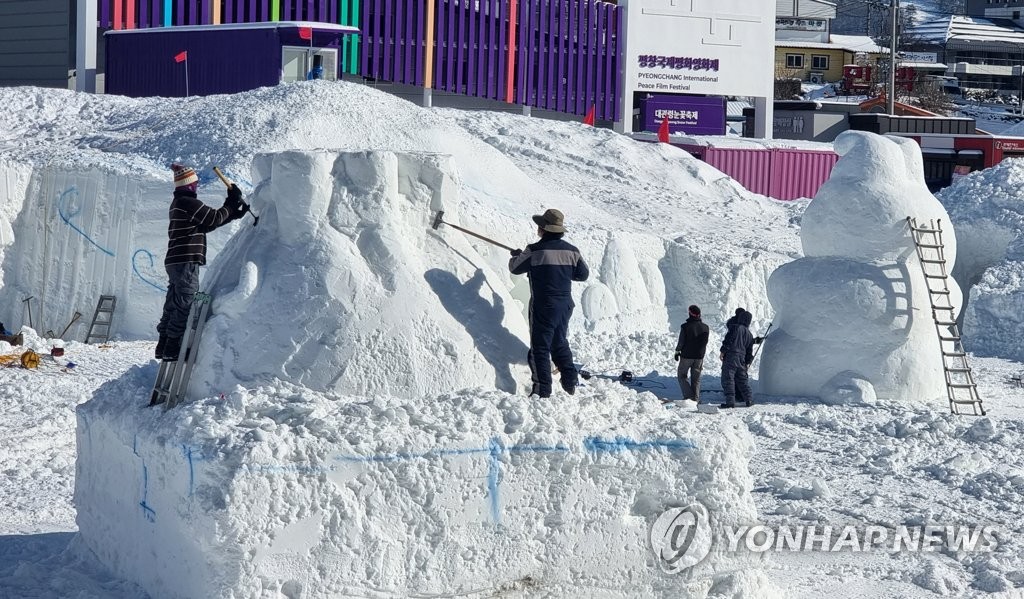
(890, 98)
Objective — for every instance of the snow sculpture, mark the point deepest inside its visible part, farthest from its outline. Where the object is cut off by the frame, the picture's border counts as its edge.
(344, 286)
(853, 318)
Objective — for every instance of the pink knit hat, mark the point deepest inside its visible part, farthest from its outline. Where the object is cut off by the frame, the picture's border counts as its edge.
(184, 175)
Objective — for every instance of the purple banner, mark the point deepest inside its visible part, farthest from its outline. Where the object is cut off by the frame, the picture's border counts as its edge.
(692, 115)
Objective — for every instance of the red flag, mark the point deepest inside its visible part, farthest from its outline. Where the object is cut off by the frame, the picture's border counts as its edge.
(181, 56)
(589, 119)
(306, 33)
(663, 131)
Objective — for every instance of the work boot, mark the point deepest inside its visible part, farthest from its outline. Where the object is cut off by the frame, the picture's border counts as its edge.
(161, 343)
(727, 405)
(568, 387)
(19, 339)
(171, 349)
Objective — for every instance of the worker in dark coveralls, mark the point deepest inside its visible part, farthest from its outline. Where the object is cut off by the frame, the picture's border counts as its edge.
(690, 350)
(737, 354)
(190, 221)
(552, 264)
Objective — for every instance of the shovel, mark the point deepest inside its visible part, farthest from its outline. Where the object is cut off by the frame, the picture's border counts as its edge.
(74, 319)
(439, 220)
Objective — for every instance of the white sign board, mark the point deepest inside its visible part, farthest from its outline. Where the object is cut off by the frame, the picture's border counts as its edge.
(928, 57)
(712, 47)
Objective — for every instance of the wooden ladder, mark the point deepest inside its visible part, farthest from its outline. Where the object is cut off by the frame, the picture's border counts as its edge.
(102, 319)
(960, 385)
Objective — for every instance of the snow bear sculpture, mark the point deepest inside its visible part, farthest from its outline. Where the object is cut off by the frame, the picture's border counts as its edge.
(853, 318)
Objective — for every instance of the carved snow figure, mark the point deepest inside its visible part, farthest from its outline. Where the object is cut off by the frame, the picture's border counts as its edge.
(854, 316)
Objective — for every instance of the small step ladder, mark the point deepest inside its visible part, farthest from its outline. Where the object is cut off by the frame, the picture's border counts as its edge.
(172, 379)
(102, 319)
(960, 385)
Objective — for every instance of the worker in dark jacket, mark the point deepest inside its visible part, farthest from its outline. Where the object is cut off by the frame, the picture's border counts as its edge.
(690, 350)
(737, 353)
(190, 221)
(552, 265)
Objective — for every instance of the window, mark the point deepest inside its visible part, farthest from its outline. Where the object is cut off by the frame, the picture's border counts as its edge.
(819, 62)
(1016, 15)
(794, 61)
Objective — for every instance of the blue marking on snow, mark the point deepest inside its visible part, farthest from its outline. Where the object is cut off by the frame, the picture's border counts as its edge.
(597, 445)
(493, 472)
(147, 511)
(76, 210)
(187, 452)
(494, 451)
(139, 274)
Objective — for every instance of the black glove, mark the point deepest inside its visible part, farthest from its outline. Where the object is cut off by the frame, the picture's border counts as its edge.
(676, 357)
(234, 199)
(758, 340)
(239, 211)
(515, 252)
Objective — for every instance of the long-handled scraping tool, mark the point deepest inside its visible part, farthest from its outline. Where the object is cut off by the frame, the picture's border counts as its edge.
(439, 220)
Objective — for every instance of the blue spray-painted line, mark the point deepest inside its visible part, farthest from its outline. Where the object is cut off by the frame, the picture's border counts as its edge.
(397, 457)
(139, 274)
(147, 511)
(187, 452)
(67, 219)
(494, 450)
(596, 444)
(493, 473)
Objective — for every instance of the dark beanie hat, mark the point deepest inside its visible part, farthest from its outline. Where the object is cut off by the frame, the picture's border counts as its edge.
(694, 310)
(739, 311)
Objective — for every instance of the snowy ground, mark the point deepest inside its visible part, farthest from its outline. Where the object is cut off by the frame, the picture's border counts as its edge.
(891, 464)
(636, 205)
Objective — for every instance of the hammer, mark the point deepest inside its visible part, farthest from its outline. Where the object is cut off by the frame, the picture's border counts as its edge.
(439, 220)
(228, 184)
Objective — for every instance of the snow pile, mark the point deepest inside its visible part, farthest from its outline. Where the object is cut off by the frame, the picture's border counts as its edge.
(345, 287)
(988, 207)
(282, 491)
(853, 317)
(649, 217)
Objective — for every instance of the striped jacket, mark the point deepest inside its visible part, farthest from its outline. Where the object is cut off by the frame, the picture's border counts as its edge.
(552, 265)
(190, 221)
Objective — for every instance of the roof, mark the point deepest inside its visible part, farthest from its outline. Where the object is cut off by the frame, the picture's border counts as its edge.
(968, 29)
(226, 26)
(849, 43)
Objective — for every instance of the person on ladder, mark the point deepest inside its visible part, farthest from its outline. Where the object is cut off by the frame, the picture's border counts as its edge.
(190, 221)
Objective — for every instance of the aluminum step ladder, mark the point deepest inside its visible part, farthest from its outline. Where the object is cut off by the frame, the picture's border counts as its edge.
(102, 319)
(960, 385)
(172, 379)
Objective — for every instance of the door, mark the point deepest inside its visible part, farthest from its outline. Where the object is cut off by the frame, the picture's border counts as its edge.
(297, 62)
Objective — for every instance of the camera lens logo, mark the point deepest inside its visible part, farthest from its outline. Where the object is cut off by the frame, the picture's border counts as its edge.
(681, 537)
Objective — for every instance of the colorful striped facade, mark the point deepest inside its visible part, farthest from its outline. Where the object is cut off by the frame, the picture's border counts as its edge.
(559, 55)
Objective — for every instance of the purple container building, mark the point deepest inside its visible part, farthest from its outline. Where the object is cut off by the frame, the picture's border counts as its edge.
(190, 61)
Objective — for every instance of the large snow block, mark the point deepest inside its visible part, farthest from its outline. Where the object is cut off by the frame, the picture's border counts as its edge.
(281, 491)
(346, 287)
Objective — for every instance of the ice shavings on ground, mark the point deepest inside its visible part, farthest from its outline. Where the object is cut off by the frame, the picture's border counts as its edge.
(853, 316)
